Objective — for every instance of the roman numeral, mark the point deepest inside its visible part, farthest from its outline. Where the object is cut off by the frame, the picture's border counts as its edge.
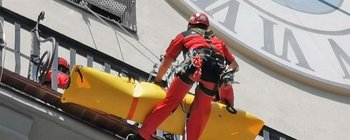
(289, 41)
(341, 56)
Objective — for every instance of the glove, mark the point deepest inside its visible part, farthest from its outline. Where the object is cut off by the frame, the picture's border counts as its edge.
(228, 78)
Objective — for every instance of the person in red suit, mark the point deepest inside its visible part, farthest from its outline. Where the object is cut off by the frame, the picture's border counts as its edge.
(205, 58)
(63, 79)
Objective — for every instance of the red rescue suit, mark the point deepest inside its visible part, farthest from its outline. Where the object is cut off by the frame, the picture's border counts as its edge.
(226, 95)
(180, 86)
(62, 79)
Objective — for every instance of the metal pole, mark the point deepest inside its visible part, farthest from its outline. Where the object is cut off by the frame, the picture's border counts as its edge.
(17, 48)
(35, 57)
(2, 39)
(54, 66)
(72, 57)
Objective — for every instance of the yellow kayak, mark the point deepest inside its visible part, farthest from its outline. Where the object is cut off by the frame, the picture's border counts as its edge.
(133, 100)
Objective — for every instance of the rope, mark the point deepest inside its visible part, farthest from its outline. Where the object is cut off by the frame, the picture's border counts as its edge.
(85, 5)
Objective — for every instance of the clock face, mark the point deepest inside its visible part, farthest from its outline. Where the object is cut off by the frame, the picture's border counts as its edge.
(305, 37)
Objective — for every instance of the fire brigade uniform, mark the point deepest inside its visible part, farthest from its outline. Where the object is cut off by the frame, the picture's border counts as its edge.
(207, 72)
(205, 60)
(63, 79)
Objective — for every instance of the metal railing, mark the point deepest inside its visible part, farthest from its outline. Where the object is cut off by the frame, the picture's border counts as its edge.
(75, 48)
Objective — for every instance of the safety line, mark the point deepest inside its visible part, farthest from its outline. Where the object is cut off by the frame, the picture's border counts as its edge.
(87, 8)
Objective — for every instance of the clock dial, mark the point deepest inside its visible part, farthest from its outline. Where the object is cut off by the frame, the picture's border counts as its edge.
(307, 39)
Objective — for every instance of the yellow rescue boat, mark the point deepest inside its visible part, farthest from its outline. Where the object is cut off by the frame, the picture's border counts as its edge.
(133, 100)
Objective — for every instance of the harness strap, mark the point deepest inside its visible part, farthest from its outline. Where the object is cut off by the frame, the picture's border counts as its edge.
(208, 91)
(211, 53)
(199, 54)
(185, 78)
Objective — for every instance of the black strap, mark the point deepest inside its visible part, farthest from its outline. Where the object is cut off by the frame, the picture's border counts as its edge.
(81, 75)
(208, 91)
(188, 33)
(184, 77)
(230, 108)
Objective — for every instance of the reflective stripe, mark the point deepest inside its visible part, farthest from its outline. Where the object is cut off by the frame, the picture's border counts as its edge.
(132, 108)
